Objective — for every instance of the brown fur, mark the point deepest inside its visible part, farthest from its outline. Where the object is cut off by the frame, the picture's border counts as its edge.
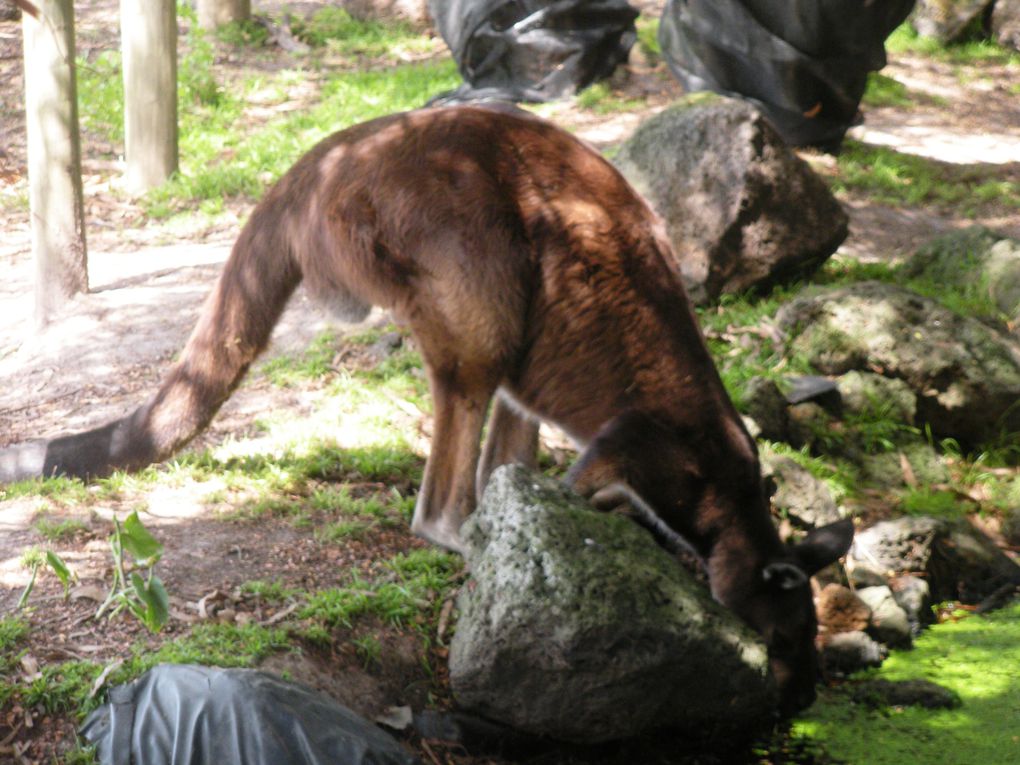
(525, 266)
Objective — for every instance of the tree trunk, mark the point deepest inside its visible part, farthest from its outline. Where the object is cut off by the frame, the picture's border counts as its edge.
(149, 50)
(216, 13)
(54, 158)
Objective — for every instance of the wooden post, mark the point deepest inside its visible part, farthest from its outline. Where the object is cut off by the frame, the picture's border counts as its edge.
(148, 31)
(216, 13)
(54, 158)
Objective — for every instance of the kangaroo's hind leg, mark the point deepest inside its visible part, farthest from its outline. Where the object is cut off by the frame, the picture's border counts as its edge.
(447, 493)
(512, 437)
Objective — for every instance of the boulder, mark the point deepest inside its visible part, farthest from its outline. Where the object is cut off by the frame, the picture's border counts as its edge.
(801, 497)
(741, 209)
(965, 374)
(946, 20)
(976, 261)
(577, 626)
(957, 560)
(889, 622)
(1006, 23)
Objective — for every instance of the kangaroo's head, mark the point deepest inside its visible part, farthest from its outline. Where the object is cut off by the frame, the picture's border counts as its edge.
(779, 605)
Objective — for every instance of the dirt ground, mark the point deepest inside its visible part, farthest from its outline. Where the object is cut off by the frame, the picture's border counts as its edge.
(100, 359)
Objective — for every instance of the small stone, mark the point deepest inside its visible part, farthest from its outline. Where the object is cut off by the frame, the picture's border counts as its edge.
(913, 595)
(889, 622)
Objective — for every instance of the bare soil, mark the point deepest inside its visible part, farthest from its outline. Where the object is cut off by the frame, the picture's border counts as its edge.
(100, 359)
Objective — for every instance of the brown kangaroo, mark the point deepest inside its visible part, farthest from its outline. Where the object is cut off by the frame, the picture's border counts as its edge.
(530, 273)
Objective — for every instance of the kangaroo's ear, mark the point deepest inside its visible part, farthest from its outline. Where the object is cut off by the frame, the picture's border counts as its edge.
(824, 545)
(784, 576)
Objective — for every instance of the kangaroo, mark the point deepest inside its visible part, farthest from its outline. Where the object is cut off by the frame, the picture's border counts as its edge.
(534, 278)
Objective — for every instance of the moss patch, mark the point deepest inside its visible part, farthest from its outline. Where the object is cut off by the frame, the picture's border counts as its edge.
(976, 658)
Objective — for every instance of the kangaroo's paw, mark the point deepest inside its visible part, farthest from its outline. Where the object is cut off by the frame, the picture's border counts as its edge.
(440, 532)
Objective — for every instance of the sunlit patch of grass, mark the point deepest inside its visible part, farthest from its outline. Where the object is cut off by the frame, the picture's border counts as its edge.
(925, 500)
(905, 39)
(337, 30)
(892, 177)
(314, 363)
(974, 657)
(219, 161)
(410, 595)
(885, 91)
(101, 95)
(648, 37)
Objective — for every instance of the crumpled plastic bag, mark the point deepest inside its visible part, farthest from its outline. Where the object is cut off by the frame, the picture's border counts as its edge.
(532, 50)
(804, 63)
(190, 715)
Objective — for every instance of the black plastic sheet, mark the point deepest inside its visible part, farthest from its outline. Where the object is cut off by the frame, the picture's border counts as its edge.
(532, 50)
(190, 715)
(805, 63)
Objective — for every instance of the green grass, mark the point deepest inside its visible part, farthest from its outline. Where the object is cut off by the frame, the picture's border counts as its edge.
(895, 178)
(972, 52)
(601, 99)
(220, 161)
(976, 658)
(314, 363)
(337, 30)
(60, 531)
(738, 337)
(885, 91)
(648, 37)
(65, 687)
(925, 500)
(411, 595)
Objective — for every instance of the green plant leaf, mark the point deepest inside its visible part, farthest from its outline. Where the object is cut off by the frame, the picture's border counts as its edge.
(60, 569)
(153, 596)
(136, 539)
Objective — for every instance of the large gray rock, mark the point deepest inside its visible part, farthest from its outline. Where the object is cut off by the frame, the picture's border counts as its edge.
(966, 375)
(576, 625)
(946, 20)
(806, 500)
(741, 209)
(976, 261)
(1006, 23)
(957, 560)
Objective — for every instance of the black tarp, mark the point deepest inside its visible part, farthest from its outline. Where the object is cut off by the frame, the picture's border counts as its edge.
(804, 63)
(532, 50)
(190, 715)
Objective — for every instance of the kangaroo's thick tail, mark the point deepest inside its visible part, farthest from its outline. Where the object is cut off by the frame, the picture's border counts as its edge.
(234, 327)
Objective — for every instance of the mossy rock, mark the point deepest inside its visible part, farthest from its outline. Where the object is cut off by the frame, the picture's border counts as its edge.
(965, 374)
(578, 626)
(982, 264)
